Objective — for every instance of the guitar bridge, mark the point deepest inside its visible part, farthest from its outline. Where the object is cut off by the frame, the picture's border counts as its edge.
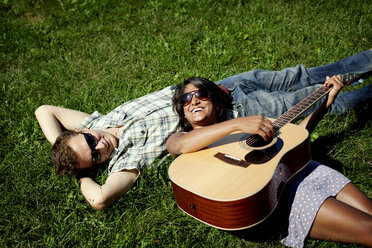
(231, 159)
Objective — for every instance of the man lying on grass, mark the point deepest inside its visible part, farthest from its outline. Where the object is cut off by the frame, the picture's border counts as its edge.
(130, 137)
(134, 134)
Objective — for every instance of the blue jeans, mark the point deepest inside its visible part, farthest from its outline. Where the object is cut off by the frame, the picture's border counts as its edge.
(271, 93)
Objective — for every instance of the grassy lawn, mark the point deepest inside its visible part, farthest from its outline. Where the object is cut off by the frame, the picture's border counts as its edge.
(94, 55)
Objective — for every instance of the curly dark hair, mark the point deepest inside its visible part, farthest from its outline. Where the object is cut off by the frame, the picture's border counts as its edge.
(221, 101)
(63, 156)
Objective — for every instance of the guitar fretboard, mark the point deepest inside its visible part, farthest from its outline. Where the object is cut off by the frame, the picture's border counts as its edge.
(297, 110)
(300, 108)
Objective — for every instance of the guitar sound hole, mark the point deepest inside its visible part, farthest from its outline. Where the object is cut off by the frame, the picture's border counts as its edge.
(256, 140)
(260, 156)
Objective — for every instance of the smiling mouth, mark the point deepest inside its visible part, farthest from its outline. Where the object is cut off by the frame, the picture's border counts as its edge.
(107, 143)
(196, 110)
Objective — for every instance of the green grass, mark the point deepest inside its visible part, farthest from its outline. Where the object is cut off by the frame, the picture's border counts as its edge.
(94, 55)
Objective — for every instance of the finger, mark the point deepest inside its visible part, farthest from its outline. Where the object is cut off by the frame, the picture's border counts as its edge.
(267, 121)
(267, 132)
(263, 134)
(269, 125)
(337, 82)
(331, 81)
(267, 128)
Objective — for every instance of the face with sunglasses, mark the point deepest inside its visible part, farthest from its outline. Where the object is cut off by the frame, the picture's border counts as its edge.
(92, 143)
(93, 146)
(197, 107)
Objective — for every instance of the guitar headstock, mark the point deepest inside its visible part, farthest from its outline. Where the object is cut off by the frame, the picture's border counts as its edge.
(351, 79)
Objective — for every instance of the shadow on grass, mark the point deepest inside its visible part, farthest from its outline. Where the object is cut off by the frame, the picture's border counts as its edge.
(320, 146)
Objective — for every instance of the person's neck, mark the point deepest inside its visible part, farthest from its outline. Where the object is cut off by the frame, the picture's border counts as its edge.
(114, 131)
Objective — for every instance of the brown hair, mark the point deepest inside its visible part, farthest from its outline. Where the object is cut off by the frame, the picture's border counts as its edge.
(63, 156)
(221, 100)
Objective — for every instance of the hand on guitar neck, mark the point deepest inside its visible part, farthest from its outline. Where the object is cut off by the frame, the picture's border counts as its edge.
(310, 122)
(337, 84)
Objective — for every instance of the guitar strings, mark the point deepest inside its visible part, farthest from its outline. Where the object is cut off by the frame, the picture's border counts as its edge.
(292, 114)
(302, 106)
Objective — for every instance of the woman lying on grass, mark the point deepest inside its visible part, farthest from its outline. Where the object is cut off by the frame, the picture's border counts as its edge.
(340, 211)
(131, 136)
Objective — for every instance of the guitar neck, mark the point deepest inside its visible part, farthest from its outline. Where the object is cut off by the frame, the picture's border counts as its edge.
(297, 110)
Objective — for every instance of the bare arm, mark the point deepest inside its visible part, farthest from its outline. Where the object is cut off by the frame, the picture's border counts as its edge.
(198, 138)
(116, 185)
(51, 118)
(312, 120)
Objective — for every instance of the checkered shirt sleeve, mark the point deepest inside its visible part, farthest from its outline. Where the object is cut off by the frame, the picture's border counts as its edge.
(146, 124)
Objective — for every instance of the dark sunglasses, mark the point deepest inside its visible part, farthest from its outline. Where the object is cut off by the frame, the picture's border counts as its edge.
(186, 98)
(92, 143)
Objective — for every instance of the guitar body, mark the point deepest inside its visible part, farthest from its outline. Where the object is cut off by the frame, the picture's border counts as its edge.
(235, 183)
(232, 186)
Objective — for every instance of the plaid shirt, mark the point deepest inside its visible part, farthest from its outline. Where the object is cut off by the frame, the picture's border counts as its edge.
(146, 122)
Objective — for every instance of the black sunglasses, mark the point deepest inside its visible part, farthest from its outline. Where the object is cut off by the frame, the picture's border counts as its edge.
(186, 98)
(92, 143)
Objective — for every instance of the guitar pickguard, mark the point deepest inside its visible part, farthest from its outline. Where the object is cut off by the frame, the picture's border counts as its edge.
(263, 155)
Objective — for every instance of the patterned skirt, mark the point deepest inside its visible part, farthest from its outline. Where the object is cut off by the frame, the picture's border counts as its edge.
(302, 199)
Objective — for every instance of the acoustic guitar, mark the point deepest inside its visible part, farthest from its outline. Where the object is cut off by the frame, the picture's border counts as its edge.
(236, 182)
